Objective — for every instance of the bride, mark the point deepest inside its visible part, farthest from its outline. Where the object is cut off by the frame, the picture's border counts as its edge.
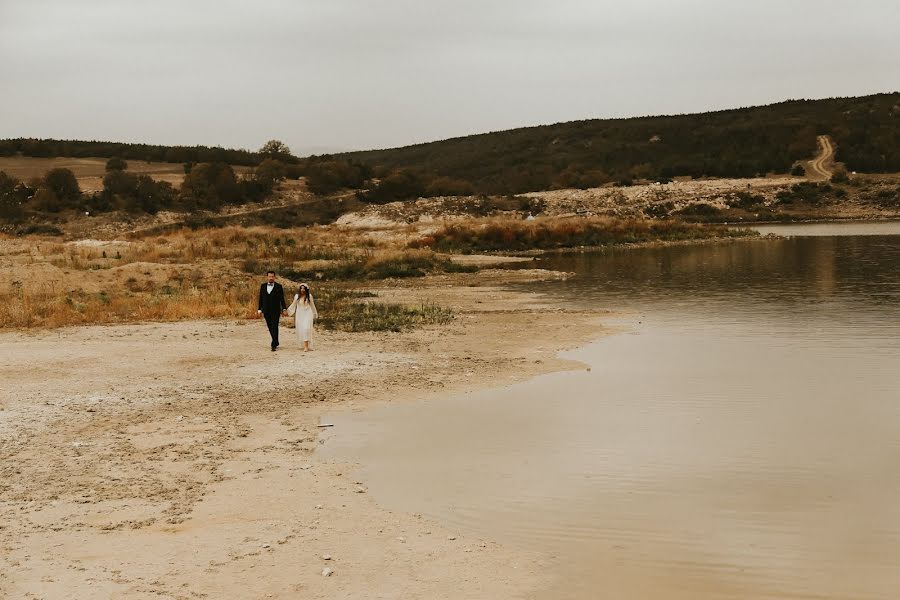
(304, 311)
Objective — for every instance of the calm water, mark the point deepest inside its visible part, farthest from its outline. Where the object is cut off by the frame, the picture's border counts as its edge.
(739, 438)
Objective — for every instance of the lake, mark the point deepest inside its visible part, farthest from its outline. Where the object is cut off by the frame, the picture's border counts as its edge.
(738, 436)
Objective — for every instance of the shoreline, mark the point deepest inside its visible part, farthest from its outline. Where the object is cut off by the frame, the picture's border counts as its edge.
(137, 473)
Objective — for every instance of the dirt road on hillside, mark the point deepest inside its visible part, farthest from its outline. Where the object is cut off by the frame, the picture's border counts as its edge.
(821, 166)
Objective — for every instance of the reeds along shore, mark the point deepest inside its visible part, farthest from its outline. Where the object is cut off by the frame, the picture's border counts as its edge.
(214, 273)
(489, 235)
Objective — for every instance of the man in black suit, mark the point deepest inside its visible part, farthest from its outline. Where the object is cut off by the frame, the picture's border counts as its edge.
(272, 305)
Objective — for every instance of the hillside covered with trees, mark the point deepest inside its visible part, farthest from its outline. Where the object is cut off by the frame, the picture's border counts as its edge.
(731, 143)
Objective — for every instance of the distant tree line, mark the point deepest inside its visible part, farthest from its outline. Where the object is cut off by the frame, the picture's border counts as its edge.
(146, 152)
(732, 143)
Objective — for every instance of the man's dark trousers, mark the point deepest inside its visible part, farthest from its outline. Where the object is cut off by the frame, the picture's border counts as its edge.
(271, 305)
(272, 324)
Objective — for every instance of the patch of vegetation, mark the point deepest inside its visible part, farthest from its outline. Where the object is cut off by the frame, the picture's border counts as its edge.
(508, 235)
(382, 265)
(341, 310)
(660, 210)
(840, 176)
(700, 211)
(805, 192)
(746, 201)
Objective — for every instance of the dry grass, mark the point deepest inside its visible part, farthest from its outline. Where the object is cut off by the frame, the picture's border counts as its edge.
(487, 235)
(208, 274)
(47, 306)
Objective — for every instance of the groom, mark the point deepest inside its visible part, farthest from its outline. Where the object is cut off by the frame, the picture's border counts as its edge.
(271, 305)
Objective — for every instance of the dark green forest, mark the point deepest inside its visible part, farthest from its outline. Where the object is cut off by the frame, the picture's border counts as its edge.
(147, 152)
(741, 142)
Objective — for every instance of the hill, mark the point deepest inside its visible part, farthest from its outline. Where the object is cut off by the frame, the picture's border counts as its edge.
(740, 142)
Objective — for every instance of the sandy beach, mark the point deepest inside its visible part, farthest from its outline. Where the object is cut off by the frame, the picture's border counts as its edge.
(176, 460)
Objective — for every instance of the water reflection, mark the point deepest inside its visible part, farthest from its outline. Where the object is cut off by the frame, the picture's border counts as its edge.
(739, 441)
(815, 279)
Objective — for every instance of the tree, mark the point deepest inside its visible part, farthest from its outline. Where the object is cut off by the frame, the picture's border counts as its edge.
(116, 164)
(269, 172)
(63, 184)
(46, 200)
(400, 185)
(275, 149)
(12, 195)
(209, 186)
(119, 183)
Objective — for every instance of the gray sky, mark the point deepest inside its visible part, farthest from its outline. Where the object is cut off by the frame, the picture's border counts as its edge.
(355, 74)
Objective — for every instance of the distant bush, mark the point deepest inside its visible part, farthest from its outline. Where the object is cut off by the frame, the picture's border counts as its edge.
(840, 176)
(209, 186)
(63, 184)
(133, 193)
(13, 195)
(798, 171)
(659, 210)
(403, 184)
(329, 176)
(806, 192)
(447, 186)
(700, 211)
(746, 201)
(116, 164)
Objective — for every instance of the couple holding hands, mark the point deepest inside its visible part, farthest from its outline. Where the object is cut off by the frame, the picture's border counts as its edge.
(272, 306)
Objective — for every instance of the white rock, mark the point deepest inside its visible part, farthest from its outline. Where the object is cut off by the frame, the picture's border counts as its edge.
(326, 557)
(326, 572)
(451, 537)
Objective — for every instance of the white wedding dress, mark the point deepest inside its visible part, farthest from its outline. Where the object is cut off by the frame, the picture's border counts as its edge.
(304, 315)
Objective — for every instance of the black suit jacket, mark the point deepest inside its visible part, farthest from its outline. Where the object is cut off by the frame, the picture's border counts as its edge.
(271, 304)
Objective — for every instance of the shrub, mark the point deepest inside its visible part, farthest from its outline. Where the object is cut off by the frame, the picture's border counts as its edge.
(209, 186)
(341, 310)
(329, 176)
(660, 210)
(806, 192)
(746, 201)
(403, 184)
(13, 194)
(798, 171)
(699, 209)
(840, 176)
(116, 164)
(63, 184)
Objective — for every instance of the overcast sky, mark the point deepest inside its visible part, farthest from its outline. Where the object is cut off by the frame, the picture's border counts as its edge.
(326, 75)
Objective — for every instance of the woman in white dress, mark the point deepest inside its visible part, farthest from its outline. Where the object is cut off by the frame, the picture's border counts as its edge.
(304, 315)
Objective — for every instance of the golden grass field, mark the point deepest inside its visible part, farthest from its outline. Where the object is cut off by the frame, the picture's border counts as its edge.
(203, 274)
